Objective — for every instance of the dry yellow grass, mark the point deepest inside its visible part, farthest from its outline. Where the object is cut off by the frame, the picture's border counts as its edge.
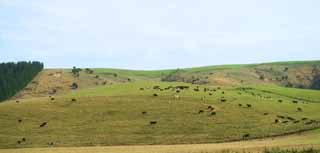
(297, 141)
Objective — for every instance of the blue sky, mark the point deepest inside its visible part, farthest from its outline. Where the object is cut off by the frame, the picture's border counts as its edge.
(158, 34)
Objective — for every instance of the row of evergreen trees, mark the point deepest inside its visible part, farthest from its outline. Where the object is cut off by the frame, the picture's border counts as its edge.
(15, 76)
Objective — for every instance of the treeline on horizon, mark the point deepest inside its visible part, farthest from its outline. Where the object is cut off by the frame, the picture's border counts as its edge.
(15, 76)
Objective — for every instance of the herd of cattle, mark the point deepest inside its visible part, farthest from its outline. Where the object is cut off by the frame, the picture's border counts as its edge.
(209, 108)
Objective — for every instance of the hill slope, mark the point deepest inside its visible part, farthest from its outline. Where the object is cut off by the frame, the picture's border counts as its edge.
(126, 107)
(130, 113)
(301, 74)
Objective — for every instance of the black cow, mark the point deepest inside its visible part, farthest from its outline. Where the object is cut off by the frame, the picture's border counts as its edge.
(200, 111)
(246, 136)
(290, 118)
(43, 124)
(279, 116)
(153, 122)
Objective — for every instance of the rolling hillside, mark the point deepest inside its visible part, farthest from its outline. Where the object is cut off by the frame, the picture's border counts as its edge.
(300, 74)
(127, 107)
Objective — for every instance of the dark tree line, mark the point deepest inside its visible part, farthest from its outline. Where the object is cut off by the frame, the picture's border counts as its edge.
(15, 76)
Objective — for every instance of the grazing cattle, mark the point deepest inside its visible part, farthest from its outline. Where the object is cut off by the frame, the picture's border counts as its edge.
(240, 105)
(276, 121)
(144, 112)
(290, 118)
(223, 100)
(280, 101)
(23, 139)
(249, 105)
(43, 124)
(17, 101)
(20, 120)
(222, 92)
(196, 89)
(265, 113)
(295, 122)
(246, 136)
(210, 108)
(178, 91)
(200, 111)
(285, 122)
(295, 101)
(153, 122)
(210, 94)
(19, 142)
(141, 88)
(279, 116)
(303, 119)
(155, 95)
(73, 99)
(299, 109)
(213, 113)
(182, 87)
(52, 98)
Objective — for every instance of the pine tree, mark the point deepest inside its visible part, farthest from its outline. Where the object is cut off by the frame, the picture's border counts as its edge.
(15, 76)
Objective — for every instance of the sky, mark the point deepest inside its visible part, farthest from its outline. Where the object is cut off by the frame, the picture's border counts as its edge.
(158, 34)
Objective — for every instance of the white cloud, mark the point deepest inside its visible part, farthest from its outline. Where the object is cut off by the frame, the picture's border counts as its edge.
(154, 29)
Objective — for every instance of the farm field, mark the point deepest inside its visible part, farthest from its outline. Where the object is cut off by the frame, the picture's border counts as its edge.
(300, 141)
(129, 109)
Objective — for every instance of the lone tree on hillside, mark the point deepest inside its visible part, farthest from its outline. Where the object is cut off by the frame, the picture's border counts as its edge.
(76, 71)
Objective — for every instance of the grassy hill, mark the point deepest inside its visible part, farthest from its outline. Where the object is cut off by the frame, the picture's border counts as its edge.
(127, 107)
